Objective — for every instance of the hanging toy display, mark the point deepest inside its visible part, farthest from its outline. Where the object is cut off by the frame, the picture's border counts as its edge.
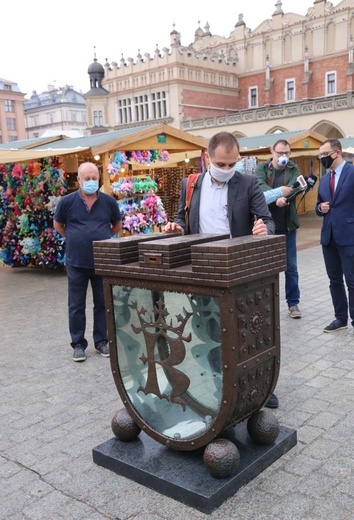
(146, 157)
(29, 193)
(117, 161)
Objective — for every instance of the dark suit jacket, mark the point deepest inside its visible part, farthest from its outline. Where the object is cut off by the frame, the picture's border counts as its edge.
(339, 221)
(245, 199)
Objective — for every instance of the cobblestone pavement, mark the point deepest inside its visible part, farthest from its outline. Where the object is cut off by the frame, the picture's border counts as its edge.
(53, 412)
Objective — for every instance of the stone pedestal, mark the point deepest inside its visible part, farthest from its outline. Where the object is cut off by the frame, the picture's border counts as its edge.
(182, 475)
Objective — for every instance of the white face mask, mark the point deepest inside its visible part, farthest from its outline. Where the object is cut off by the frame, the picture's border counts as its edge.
(283, 160)
(221, 175)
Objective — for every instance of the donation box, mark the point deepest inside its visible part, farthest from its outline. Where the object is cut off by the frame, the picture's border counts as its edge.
(193, 326)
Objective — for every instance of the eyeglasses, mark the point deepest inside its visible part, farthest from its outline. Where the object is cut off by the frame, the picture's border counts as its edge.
(282, 153)
(325, 154)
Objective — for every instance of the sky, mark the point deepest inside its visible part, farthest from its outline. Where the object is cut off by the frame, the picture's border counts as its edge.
(53, 43)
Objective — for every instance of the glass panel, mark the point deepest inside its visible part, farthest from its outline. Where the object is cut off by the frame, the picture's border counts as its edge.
(169, 356)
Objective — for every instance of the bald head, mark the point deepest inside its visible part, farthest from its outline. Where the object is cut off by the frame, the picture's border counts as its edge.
(88, 168)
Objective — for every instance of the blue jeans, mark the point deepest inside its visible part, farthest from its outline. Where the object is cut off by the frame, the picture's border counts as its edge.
(78, 280)
(339, 260)
(292, 291)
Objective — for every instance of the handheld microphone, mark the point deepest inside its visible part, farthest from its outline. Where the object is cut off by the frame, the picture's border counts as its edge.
(300, 182)
(310, 181)
(306, 183)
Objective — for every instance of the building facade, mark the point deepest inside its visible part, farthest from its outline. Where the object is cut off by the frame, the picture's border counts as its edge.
(292, 72)
(61, 110)
(12, 121)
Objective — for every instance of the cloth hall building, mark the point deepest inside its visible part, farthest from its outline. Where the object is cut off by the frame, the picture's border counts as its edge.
(291, 72)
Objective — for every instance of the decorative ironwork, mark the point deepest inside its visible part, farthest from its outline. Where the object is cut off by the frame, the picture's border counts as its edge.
(254, 323)
(178, 380)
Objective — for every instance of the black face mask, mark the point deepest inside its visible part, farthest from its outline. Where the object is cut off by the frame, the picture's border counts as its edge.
(327, 161)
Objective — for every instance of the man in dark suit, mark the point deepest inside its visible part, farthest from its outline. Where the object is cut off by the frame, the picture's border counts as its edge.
(336, 205)
(225, 200)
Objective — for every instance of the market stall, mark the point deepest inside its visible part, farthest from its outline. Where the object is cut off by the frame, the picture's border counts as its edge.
(35, 173)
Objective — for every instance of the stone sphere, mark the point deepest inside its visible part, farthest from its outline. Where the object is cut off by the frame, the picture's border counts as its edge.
(123, 426)
(263, 427)
(222, 458)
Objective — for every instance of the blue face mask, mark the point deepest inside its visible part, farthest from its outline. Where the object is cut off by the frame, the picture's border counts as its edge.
(90, 187)
(239, 166)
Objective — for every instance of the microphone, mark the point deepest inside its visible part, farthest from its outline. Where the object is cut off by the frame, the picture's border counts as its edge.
(310, 181)
(306, 183)
(300, 182)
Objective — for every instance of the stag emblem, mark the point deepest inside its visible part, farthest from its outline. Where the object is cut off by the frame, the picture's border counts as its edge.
(172, 349)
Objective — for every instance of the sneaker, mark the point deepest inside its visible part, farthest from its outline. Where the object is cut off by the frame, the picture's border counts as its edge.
(102, 348)
(272, 402)
(334, 326)
(294, 312)
(79, 353)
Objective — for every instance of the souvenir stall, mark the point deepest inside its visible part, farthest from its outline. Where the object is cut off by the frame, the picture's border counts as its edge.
(141, 169)
(144, 173)
(29, 192)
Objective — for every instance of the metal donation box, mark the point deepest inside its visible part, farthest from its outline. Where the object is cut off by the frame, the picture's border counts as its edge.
(193, 324)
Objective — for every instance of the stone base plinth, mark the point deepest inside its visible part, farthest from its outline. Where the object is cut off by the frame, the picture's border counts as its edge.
(182, 475)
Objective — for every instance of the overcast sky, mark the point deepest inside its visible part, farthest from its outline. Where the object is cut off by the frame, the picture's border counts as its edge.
(45, 43)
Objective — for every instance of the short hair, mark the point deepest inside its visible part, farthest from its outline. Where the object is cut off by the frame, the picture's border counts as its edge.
(84, 164)
(225, 139)
(281, 141)
(335, 144)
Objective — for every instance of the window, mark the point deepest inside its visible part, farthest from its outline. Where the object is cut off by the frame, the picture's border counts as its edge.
(97, 118)
(253, 97)
(73, 117)
(9, 105)
(11, 123)
(124, 111)
(7, 87)
(331, 83)
(159, 104)
(12, 138)
(290, 90)
(50, 118)
(141, 108)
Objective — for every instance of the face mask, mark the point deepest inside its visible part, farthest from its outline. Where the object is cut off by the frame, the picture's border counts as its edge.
(282, 161)
(327, 161)
(239, 166)
(221, 175)
(90, 187)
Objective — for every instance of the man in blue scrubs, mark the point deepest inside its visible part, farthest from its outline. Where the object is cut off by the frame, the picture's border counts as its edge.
(82, 217)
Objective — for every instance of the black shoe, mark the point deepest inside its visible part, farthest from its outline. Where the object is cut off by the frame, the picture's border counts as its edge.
(102, 348)
(272, 402)
(79, 353)
(334, 326)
